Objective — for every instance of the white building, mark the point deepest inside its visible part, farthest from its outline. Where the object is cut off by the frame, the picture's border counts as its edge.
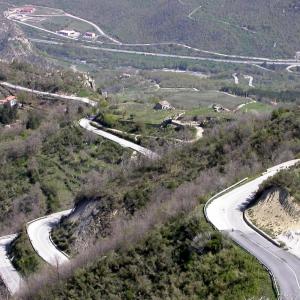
(69, 33)
(90, 35)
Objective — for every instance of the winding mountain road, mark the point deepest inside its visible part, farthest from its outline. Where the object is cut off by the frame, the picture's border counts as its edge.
(236, 79)
(226, 214)
(51, 95)
(251, 79)
(39, 234)
(11, 278)
(86, 124)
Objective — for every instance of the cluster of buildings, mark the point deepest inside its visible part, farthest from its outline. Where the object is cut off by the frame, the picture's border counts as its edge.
(11, 100)
(76, 34)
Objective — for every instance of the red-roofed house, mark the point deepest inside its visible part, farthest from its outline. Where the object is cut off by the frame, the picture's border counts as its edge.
(27, 10)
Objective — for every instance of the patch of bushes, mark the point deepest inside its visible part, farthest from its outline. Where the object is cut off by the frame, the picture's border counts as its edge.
(62, 236)
(167, 265)
(288, 180)
(23, 256)
(8, 114)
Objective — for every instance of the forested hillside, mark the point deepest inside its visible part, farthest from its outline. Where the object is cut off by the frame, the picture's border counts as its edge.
(184, 259)
(260, 27)
(121, 211)
(45, 156)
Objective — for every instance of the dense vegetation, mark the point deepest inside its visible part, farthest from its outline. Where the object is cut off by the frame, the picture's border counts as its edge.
(230, 151)
(8, 114)
(23, 257)
(288, 180)
(46, 159)
(184, 259)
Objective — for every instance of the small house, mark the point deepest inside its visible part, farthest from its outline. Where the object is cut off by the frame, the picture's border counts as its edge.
(163, 105)
(26, 10)
(69, 33)
(90, 35)
(11, 100)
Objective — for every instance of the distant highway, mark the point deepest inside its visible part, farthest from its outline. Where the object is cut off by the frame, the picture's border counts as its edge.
(290, 69)
(226, 214)
(236, 79)
(252, 61)
(119, 43)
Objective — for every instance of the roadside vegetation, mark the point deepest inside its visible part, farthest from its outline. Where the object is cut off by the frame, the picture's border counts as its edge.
(8, 114)
(184, 259)
(143, 234)
(254, 143)
(23, 256)
(287, 180)
(46, 158)
(287, 96)
(45, 79)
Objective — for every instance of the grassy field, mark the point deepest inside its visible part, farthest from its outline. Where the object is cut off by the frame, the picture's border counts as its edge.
(185, 99)
(64, 22)
(258, 107)
(145, 113)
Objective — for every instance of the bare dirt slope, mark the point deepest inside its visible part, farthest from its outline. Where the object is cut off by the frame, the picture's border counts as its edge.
(276, 212)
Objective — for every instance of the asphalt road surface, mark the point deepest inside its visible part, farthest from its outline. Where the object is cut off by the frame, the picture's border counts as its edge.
(11, 278)
(39, 235)
(52, 95)
(226, 214)
(85, 123)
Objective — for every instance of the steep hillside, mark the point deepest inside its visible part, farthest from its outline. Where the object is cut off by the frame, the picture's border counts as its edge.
(277, 209)
(13, 43)
(276, 212)
(260, 27)
(44, 156)
(184, 259)
(253, 142)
